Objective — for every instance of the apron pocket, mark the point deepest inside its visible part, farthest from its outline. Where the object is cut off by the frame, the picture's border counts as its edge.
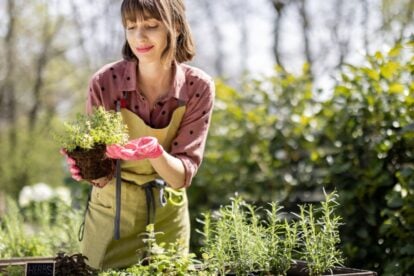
(102, 197)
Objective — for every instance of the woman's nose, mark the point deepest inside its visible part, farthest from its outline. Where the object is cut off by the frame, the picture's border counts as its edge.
(141, 33)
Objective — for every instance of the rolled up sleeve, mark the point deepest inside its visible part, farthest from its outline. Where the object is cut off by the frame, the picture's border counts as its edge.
(190, 141)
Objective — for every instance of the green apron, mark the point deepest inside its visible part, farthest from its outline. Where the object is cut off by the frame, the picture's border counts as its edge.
(172, 220)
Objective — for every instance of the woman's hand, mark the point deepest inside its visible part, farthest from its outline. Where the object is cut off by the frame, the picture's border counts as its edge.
(138, 149)
(73, 169)
(75, 172)
(101, 182)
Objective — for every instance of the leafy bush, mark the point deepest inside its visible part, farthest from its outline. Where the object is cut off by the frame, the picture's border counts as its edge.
(100, 127)
(369, 134)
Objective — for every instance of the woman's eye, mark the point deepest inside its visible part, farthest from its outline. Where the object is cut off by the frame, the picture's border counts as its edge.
(130, 27)
(152, 26)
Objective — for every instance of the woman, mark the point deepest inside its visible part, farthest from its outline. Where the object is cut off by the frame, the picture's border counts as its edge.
(167, 107)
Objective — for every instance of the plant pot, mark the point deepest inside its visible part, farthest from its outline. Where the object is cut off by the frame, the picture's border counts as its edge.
(93, 163)
(299, 268)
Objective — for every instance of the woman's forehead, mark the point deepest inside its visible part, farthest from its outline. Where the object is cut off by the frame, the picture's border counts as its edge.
(140, 15)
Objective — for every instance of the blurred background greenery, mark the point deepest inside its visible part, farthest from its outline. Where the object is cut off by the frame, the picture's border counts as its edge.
(310, 94)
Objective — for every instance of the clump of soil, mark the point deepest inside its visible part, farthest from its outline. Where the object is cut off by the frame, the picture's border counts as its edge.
(93, 163)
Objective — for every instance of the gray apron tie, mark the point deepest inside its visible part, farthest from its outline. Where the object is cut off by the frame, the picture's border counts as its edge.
(150, 199)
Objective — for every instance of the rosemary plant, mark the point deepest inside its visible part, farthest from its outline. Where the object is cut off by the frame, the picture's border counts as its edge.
(235, 240)
(319, 237)
(281, 239)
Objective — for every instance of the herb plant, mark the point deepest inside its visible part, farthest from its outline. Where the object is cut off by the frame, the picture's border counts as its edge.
(159, 259)
(281, 239)
(100, 127)
(235, 243)
(319, 237)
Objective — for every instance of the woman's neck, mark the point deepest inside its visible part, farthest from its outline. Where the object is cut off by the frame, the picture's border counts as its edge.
(154, 80)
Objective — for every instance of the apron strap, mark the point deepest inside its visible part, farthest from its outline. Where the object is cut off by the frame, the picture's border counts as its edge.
(117, 219)
(82, 226)
(150, 199)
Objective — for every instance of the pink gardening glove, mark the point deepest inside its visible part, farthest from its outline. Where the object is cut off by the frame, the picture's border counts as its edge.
(74, 170)
(138, 149)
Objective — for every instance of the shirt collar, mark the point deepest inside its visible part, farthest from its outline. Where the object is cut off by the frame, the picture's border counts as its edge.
(179, 91)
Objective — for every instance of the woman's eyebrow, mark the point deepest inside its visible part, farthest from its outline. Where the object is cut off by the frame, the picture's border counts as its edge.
(146, 19)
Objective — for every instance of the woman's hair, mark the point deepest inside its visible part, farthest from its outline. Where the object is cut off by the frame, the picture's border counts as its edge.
(180, 45)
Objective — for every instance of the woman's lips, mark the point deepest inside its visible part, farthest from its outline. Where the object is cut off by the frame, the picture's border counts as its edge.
(143, 50)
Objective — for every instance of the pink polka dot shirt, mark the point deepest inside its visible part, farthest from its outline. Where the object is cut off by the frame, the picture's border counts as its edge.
(191, 87)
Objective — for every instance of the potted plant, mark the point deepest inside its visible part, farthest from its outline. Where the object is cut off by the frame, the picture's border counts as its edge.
(85, 140)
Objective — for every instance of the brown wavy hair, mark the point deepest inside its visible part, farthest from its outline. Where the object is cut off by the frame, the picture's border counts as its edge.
(180, 43)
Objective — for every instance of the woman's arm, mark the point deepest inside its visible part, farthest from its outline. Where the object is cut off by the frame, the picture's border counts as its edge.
(169, 168)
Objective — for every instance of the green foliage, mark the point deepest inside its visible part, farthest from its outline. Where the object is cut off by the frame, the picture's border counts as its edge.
(73, 265)
(236, 241)
(276, 141)
(100, 127)
(34, 159)
(281, 240)
(371, 139)
(320, 237)
(261, 142)
(159, 259)
(43, 229)
(12, 270)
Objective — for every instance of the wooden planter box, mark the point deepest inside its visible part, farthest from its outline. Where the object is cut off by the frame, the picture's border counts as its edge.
(32, 266)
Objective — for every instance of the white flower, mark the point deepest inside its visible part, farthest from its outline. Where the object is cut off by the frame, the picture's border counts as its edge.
(42, 192)
(63, 194)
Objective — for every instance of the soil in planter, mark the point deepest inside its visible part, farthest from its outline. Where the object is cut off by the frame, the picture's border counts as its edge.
(93, 163)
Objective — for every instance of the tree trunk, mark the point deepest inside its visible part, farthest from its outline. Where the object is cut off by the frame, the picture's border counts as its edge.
(41, 63)
(279, 6)
(7, 90)
(306, 37)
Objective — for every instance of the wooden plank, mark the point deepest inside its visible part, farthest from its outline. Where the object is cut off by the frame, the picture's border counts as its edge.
(24, 260)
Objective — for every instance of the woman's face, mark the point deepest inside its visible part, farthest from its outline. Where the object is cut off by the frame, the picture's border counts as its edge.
(147, 38)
